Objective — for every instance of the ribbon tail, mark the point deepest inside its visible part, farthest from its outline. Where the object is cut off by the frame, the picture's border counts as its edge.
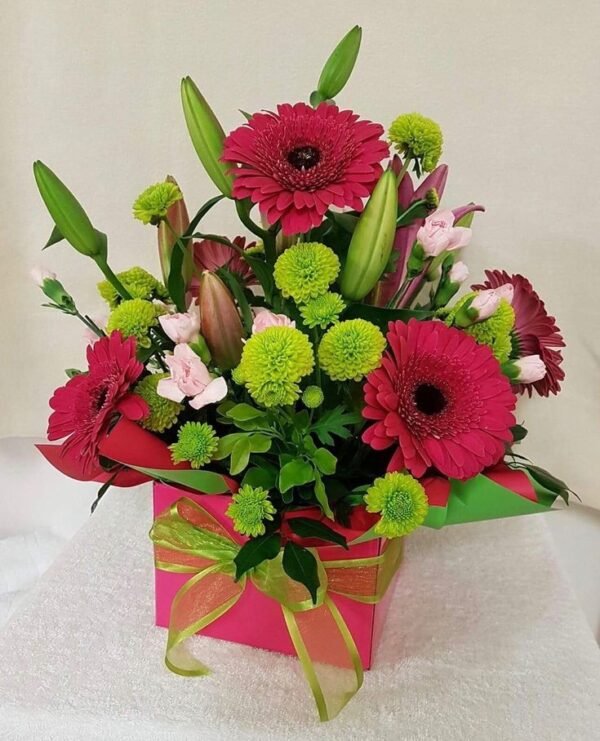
(200, 601)
(321, 636)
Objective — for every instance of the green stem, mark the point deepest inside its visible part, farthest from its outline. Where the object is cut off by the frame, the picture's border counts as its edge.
(112, 278)
(404, 170)
(267, 236)
(89, 324)
(317, 367)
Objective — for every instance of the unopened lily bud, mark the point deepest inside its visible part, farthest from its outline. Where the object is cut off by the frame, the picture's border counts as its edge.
(72, 222)
(529, 369)
(206, 134)
(480, 307)
(338, 67)
(372, 240)
(179, 221)
(220, 321)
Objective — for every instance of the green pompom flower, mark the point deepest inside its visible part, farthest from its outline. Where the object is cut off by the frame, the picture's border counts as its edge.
(419, 138)
(306, 270)
(402, 502)
(351, 349)
(139, 284)
(249, 510)
(495, 331)
(151, 206)
(323, 310)
(134, 318)
(163, 412)
(196, 444)
(313, 397)
(273, 363)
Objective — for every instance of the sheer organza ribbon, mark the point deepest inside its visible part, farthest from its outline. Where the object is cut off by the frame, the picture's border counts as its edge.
(188, 539)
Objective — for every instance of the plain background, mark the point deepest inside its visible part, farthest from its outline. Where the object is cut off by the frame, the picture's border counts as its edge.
(92, 89)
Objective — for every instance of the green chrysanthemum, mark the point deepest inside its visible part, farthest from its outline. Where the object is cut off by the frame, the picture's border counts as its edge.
(402, 502)
(495, 331)
(196, 444)
(139, 284)
(312, 397)
(134, 318)
(306, 270)
(351, 349)
(151, 206)
(249, 510)
(163, 412)
(323, 310)
(418, 137)
(273, 363)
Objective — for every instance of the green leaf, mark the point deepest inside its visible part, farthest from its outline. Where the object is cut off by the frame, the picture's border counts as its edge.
(175, 281)
(416, 210)
(226, 443)
(334, 422)
(295, 473)
(255, 551)
(237, 289)
(548, 481)
(301, 566)
(264, 273)
(264, 477)
(207, 482)
(72, 372)
(240, 456)
(307, 528)
(381, 316)
(321, 496)
(325, 461)
(259, 443)
(243, 412)
(519, 433)
(54, 238)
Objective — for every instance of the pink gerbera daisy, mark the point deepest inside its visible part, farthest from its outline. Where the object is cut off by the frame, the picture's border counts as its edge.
(211, 255)
(441, 398)
(535, 331)
(298, 162)
(87, 403)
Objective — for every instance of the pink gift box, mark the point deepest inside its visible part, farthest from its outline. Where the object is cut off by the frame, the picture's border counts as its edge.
(256, 620)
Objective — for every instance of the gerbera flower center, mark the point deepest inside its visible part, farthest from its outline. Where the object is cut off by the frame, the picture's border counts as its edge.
(429, 399)
(303, 158)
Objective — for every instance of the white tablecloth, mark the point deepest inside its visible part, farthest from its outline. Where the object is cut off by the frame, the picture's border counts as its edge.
(484, 641)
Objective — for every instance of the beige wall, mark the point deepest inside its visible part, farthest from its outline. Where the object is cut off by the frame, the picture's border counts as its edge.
(92, 89)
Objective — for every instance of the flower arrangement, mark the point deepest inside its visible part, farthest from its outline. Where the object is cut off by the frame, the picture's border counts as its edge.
(323, 362)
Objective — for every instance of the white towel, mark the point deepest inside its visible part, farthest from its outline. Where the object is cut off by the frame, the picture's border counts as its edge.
(23, 559)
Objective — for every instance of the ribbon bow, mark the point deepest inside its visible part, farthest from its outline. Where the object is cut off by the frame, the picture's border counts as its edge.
(189, 540)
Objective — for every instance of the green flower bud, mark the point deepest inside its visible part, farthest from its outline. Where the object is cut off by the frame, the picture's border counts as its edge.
(372, 241)
(206, 134)
(71, 220)
(339, 66)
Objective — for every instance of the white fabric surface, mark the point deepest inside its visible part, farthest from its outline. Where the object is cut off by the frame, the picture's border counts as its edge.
(484, 641)
(23, 559)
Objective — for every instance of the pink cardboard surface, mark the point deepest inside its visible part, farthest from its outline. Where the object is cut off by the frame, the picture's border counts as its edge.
(256, 620)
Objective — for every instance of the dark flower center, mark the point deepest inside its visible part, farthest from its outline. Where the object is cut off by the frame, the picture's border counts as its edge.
(429, 399)
(303, 158)
(100, 398)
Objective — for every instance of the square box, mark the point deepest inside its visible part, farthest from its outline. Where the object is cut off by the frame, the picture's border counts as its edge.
(256, 619)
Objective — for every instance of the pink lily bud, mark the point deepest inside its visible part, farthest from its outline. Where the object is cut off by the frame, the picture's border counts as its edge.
(177, 216)
(221, 324)
(531, 368)
(263, 319)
